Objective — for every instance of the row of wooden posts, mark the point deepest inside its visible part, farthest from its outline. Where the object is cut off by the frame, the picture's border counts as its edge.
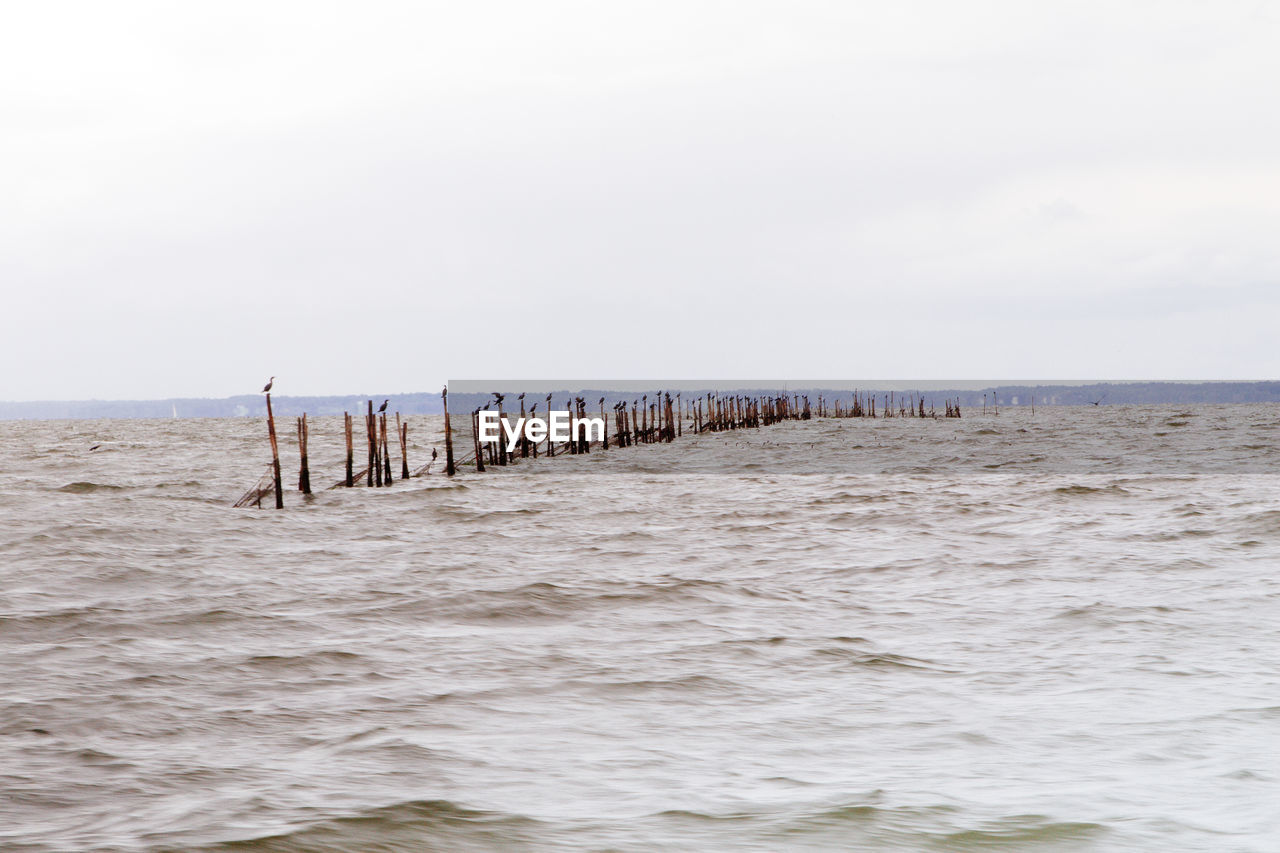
(643, 422)
(892, 406)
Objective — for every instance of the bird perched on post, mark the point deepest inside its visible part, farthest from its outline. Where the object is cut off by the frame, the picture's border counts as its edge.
(267, 387)
(383, 407)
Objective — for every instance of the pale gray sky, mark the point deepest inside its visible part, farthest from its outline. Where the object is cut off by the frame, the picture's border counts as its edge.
(381, 196)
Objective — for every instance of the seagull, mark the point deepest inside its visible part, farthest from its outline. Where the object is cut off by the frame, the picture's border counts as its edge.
(267, 387)
(383, 407)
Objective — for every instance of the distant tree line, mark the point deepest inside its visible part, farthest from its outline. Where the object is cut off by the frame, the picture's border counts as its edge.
(428, 403)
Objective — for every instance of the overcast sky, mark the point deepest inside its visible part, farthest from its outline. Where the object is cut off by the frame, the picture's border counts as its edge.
(367, 196)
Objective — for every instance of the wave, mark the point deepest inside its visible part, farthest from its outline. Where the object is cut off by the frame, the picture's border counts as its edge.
(543, 600)
(84, 488)
(1091, 491)
(421, 825)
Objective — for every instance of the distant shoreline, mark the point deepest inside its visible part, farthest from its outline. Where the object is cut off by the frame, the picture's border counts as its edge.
(429, 403)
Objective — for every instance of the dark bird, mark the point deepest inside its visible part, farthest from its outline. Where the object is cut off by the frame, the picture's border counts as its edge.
(95, 447)
(434, 454)
(383, 407)
(267, 387)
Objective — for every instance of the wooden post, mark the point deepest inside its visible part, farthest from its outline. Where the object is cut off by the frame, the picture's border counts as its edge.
(402, 430)
(370, 438)
(475, 440)
(524, 441)
(346, 422)
(275, 454)
(448, 435)
(532, 445)
(304, 472)
(502, 444)
(605, 442)
(386, 453)
(551, 450)
(572, 446)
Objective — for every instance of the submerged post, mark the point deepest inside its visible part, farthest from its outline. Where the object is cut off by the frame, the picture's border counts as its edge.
(386, 453)
(403, 431)
(551, 448)
(524, 440)
(448, 435)
(502, 419)
(346, 418)
(304, 471)
(275, 454)
(370, 437)
(475, 440)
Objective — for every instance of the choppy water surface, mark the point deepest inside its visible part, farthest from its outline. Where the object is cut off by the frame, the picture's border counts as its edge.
(1059, 631)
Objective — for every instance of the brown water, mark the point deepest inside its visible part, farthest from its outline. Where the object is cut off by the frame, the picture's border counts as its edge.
(1048, 632)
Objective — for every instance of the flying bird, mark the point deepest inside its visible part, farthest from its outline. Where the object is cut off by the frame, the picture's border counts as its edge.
(267, 387)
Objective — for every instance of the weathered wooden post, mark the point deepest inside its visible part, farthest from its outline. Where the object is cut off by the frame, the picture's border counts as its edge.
(304, 472)
(370, 438)
(275, 454)
(551, 448)
(448, 435)
(572, 446)
(532, 445)
(346, 427)
(403, 431)
(524, 441)
(386, 452)
(475, 440)
(502, 444)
